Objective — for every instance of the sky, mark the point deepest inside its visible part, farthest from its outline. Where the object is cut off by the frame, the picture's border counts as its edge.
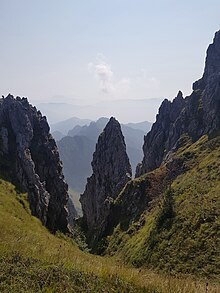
(89, 52)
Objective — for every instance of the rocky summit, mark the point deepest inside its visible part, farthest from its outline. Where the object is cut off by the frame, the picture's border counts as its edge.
(196, 115)
(29, 158)
(111, 171)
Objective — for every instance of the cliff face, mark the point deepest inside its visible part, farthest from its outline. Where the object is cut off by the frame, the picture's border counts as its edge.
(111, 171)
(142, 194)
(30, 159)
(161, 218)
(195, 115)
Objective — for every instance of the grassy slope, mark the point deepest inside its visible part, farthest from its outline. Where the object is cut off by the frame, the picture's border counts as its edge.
(33, 260)
(183, 233)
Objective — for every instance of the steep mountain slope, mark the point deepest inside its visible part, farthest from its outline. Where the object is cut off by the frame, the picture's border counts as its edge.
(177, 227)
(34, 260)
(168, 218)
(29, 158)
(111, 171)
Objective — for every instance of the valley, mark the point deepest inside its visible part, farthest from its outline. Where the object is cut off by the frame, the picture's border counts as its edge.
(93, 196)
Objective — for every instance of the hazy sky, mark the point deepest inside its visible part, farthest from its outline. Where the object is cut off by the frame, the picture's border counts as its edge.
(88, 51)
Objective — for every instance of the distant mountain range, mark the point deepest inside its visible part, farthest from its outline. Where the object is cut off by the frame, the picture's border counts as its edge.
(76, 149)
(64, 126)
(123, 110)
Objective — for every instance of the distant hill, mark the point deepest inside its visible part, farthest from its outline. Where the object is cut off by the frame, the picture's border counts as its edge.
(92, 130)
(65, 125)
(145, 125)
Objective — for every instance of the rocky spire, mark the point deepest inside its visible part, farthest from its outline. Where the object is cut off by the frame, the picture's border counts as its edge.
(160, 137)
(111, 171)
(29, 158)
(212, 64)
(193, 116)
(209, 85)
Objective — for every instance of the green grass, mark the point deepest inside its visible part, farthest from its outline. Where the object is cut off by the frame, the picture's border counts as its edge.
(181, 234)
(33, 260)
(30, 275)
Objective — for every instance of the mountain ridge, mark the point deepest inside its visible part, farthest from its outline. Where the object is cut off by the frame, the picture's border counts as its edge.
(195, 115)
(172, 205)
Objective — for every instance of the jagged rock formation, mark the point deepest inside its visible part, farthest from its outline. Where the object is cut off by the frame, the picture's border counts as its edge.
(142, 194)
(79, 146)
(30, 159)
(111, 171)
(194, 116)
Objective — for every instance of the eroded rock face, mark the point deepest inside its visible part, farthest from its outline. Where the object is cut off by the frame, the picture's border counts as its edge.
(196, 115)
(111, 171)
(140, 195)
(30, 159)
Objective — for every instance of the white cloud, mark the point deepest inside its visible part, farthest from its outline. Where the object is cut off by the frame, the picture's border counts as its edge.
(138, 85)
(103, 73)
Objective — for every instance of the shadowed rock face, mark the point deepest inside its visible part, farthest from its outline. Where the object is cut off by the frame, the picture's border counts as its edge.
(30, 159)
(196, 115)
(111, 171)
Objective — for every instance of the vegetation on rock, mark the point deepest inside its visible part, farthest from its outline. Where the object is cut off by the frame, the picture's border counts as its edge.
(182, 232)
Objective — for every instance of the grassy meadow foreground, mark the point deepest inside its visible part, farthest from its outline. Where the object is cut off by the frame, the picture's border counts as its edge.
(33, 260)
